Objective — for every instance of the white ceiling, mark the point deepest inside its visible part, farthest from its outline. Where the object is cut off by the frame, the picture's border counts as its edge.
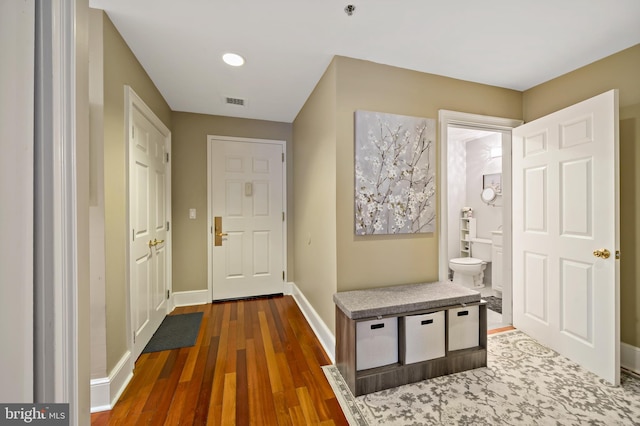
(288, 44)
(465, 134)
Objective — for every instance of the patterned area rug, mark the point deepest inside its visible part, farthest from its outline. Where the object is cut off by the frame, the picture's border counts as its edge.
(524, 383)
(494, 303)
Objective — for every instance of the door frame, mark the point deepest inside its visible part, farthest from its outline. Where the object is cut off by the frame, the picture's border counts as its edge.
(131, 102)
(210, 153)
(447, 118)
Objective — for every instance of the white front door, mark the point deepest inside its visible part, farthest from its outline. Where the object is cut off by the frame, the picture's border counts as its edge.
(247, 197)
(148, 219)
(565, 212)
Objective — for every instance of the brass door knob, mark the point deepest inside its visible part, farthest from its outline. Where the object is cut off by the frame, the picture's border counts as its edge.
(155, 242)
(602, 253)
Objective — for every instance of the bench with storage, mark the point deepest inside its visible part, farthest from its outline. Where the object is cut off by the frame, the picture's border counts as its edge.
(387, 337)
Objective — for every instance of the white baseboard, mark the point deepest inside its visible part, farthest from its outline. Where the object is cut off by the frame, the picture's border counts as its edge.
(106, 391)
(324, 335)
(630, 357)
(189, 298)
(100, 400)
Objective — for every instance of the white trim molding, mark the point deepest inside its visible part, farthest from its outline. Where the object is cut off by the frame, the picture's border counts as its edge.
(323, 333)
(630, 357)
(189, 298)
(106, 391)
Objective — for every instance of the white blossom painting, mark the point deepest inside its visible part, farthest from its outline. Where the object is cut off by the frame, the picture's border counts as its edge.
(395, 174)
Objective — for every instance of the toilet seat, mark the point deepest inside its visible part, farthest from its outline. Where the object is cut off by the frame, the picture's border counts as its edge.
(466, 261)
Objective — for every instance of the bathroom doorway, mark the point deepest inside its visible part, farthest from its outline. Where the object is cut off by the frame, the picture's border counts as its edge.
(475, 173)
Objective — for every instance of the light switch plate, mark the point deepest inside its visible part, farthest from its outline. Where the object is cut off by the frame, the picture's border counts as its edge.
(192, 213)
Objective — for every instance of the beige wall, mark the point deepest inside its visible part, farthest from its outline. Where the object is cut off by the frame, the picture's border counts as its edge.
(82, 212)
(314, 195)
(619, 71)
(120, 68)
(376, 261)
(189, 188)
(324, 176)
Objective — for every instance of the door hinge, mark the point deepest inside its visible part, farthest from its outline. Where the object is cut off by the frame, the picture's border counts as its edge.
(133, 235)
(282, 275)
(134, 337)
(168, 226)
(283, 157)
(283, 216)
(167, 294)
(617, 254)
(167, 154)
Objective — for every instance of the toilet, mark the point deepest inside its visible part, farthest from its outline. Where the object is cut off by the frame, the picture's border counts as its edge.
(469, 271)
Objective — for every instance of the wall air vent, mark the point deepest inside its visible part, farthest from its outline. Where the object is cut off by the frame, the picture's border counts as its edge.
(235, 101)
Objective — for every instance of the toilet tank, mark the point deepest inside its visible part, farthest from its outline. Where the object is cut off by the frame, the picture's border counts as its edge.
(481, 249)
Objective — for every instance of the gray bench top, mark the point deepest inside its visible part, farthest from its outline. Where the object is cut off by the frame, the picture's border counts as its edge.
(400, 299)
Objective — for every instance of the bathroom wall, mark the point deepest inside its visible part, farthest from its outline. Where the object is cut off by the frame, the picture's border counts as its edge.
(480, 163)
(456, 192)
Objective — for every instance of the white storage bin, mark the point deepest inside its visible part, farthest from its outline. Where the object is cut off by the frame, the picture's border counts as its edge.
(424, 337)
(464, 327)
(376, 343)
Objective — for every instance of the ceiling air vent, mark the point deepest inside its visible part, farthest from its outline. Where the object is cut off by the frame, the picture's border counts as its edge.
(234, 101)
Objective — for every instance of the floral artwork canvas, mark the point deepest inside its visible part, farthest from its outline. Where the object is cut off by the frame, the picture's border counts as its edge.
(395, 183)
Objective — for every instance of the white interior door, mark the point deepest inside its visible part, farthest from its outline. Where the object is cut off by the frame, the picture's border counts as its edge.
(248, 198)
(149, 222)
(565, 207)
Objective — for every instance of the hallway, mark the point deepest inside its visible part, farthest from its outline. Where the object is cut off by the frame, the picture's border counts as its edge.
(254, 362)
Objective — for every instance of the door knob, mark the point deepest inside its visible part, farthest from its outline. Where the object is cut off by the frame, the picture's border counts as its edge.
(155, 242)
(602, 253)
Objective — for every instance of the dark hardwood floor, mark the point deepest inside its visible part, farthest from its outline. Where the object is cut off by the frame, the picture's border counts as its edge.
(256, 362)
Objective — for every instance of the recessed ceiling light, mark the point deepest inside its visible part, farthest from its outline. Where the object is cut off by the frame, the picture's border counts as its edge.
(233, 59)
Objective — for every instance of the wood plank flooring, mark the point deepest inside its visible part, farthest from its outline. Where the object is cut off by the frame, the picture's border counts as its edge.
(255, 362)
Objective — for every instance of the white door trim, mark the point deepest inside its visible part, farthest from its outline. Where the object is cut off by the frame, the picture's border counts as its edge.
(210, 140)
(133, 101)
(483, 122)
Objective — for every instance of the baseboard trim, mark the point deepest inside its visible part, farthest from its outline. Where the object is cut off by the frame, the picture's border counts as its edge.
(630, 357)
(100, 400)
(105, 391)
(190, 298)
(324, 335)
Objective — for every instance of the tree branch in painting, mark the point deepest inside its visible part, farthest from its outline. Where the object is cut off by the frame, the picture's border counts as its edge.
(395, 174)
